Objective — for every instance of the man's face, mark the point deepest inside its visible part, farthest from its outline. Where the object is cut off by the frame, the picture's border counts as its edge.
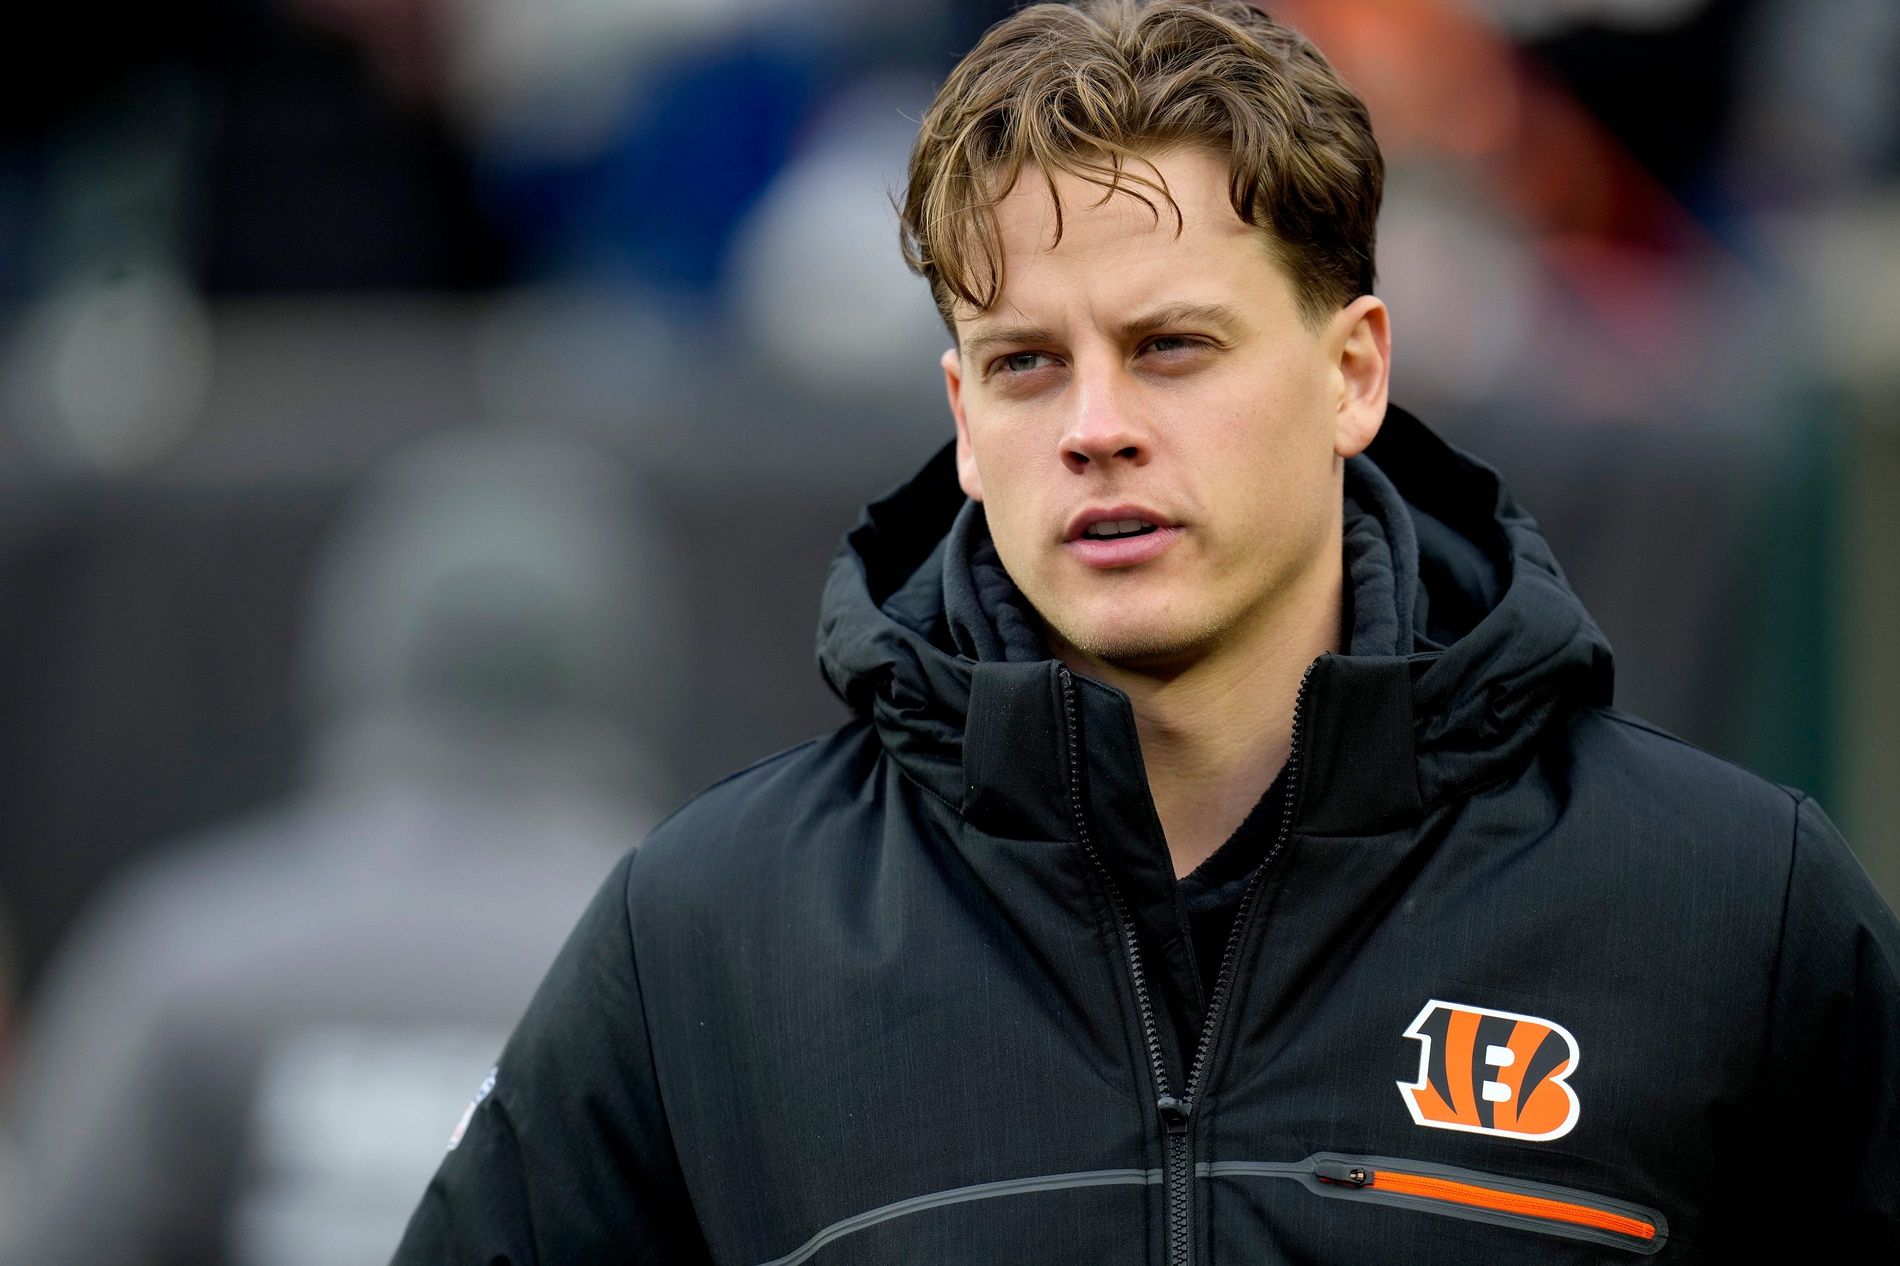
(1135, 380)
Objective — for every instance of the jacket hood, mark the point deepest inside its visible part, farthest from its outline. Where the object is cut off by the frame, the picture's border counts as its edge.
(1466, 644)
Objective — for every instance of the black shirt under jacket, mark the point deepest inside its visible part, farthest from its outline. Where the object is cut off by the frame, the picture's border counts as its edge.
(1211, 892)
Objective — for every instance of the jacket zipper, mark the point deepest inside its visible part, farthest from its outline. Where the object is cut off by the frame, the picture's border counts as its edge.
(1175, 1113)
(1554, 1208)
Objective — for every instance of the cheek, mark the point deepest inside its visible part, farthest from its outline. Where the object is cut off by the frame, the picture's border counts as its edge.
(1273, 465)
(1009, 481)
(986, 433)
(1286, 421)
(1005, 448)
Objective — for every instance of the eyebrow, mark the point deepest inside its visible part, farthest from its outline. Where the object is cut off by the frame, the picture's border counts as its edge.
(1217, 315)
(1004, 336)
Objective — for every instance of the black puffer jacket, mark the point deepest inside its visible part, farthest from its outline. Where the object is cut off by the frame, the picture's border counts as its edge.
(1523, 979)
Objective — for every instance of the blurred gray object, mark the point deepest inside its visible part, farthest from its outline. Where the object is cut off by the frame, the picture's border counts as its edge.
(819, 293)
(254, 1047)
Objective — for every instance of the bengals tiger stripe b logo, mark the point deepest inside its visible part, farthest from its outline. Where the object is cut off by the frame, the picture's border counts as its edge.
(1492, 1072)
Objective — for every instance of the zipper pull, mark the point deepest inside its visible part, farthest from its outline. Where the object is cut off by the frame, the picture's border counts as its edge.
(1343, 1173)
(1174, 1114)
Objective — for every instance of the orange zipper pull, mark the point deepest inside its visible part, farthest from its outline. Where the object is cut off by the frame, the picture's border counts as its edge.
(1343, 1174)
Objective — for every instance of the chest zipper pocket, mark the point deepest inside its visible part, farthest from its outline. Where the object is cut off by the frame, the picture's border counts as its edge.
(1472, 1195)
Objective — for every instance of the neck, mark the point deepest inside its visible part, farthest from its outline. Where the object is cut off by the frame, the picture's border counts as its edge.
(1216, 731)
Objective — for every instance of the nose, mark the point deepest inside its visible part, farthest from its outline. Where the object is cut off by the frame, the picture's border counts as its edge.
(1106, 427)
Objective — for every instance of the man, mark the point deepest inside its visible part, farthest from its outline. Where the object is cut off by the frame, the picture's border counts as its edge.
(1234, 857)
(240, 1055)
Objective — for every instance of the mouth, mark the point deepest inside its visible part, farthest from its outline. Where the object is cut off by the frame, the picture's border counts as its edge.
(1117, 529)
(1115, 523)
(1116, 537)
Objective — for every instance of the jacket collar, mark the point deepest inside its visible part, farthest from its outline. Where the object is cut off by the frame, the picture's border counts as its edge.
(1467, 643)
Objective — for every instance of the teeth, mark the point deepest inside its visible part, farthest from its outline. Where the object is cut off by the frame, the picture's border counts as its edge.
(1116, 527)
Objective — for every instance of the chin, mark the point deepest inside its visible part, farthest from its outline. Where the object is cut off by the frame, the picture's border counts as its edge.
(1135, 643)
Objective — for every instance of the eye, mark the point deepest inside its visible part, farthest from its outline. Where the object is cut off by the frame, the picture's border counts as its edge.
(1166, 344)
(1018, 363)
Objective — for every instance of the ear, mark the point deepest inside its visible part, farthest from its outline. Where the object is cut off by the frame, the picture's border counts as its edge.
(967, 477)
(1362, 337)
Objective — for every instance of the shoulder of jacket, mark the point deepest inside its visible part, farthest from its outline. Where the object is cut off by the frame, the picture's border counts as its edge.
(770, 796)
(1670, 771)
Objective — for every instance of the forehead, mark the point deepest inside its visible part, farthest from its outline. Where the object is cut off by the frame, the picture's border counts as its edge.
(1116, 253)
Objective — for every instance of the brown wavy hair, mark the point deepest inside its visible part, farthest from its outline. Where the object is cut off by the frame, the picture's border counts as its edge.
(1093, 87)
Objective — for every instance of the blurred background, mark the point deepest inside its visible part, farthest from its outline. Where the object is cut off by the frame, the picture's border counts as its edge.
(424, 424)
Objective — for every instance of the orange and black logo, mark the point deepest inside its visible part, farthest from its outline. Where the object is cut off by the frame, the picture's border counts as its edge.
(1492, 1072)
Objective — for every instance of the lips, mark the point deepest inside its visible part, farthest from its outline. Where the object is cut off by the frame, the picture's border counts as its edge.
(1111, 537)
(1115, 522)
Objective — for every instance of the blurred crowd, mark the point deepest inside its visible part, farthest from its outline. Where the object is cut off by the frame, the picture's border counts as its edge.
(423, 425)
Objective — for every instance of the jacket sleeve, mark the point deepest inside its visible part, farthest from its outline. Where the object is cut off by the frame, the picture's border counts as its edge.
(567, 1157)
(1833, 1054)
